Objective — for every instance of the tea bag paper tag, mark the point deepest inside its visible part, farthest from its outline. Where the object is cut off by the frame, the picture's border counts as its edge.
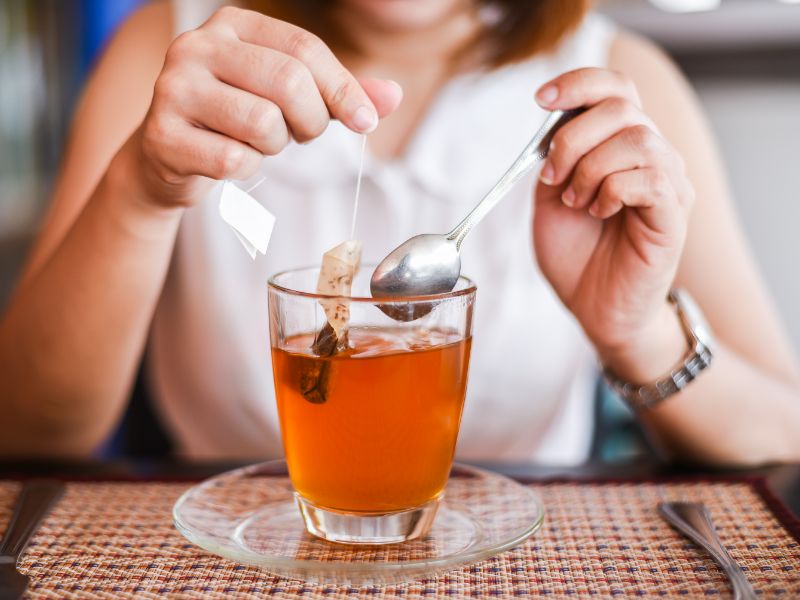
(251, 222)
(251, 250)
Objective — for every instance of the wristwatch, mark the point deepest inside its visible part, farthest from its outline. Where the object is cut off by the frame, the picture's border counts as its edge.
(699, 357)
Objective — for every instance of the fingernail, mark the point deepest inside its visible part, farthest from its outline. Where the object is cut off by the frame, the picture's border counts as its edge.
(547, 95)
(365, 119)
(568, 196)
(548, 173)
(594, 209)
(396, 85)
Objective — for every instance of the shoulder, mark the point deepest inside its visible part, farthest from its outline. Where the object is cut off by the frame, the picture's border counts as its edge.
(628, 48)
(639, 57)
(116, 96)
(136, 52)
(660, 82)
(120, 87)
(666, 95)
(153, 22)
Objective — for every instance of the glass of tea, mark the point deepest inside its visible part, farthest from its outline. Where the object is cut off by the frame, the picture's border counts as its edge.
(369, 418)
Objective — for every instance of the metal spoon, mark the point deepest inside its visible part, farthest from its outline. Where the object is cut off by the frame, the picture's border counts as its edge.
(693, 521)
(430, 263)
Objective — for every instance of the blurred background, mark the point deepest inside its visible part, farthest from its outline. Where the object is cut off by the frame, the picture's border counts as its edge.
(742, 56)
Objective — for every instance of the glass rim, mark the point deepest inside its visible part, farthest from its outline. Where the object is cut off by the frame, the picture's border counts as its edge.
(470, 288)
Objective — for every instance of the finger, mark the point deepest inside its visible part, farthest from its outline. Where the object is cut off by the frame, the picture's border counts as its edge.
(277, 77)
(345, 98)
(586, 87)
(586, 131)
(647, 189)
(239, 114)
(633, 148)
(385, 94)
(186, 150)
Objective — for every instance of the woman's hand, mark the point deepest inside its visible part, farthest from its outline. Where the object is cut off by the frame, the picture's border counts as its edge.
(611, 217)
(236, 89)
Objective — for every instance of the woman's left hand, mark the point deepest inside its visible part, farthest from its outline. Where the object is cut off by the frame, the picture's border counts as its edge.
(611, 216)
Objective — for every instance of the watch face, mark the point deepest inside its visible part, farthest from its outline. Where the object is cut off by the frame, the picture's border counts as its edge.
(696, 321)
(704, 336)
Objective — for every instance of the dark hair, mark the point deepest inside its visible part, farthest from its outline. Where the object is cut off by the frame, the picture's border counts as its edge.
(522, 27)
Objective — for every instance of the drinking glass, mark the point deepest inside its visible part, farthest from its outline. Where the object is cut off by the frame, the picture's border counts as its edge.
(369, 432)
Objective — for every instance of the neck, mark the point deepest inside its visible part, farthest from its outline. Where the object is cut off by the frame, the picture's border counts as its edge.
(386, 52)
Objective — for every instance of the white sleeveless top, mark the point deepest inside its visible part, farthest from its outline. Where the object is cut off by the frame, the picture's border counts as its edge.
(532, 373)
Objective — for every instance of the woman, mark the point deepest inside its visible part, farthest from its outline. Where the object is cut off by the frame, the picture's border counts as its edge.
(131, 237)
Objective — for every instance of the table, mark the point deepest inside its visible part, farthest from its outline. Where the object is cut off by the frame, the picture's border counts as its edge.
(616, 555)
(784, 480)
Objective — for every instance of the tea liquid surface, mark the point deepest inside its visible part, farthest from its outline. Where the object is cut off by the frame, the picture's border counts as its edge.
(384, 437)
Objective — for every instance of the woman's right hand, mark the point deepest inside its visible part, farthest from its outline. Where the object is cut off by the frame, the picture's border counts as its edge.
(239, 87)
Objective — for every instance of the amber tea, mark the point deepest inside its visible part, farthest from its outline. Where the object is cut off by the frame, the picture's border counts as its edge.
(379, 431)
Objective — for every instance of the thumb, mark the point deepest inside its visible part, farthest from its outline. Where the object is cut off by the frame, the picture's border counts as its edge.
(384, 93)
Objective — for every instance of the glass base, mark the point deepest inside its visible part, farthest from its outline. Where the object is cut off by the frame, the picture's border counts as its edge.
(367, 528)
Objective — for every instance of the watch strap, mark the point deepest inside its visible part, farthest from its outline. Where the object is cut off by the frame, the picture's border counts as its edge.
(698, 358)
(644, 397)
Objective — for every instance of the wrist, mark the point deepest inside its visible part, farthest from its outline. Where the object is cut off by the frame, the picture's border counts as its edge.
(128, 174)
(656, 351)
(124, 192)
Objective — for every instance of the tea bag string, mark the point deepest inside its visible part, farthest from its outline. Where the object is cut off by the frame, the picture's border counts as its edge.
(256, 184)
(358, 185)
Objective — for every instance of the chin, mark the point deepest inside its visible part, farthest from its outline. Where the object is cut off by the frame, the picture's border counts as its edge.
(405, 15)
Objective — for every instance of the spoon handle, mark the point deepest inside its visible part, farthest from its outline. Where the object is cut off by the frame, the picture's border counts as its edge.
(535, 151)
(693, 521)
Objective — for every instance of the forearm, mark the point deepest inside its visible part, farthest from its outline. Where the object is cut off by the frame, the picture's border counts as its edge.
(73, 333)
(734, 413)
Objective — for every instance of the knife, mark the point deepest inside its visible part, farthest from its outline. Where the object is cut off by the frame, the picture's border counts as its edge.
(35, 501)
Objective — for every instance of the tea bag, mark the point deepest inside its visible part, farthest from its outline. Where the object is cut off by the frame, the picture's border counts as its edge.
(339, 267)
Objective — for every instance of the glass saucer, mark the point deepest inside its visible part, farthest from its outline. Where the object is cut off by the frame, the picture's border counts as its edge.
(249, 515)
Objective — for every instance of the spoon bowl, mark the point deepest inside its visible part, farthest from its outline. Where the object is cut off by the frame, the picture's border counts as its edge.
(423, 265)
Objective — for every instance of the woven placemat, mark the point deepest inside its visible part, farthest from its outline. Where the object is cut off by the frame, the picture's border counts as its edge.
(112, 540)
